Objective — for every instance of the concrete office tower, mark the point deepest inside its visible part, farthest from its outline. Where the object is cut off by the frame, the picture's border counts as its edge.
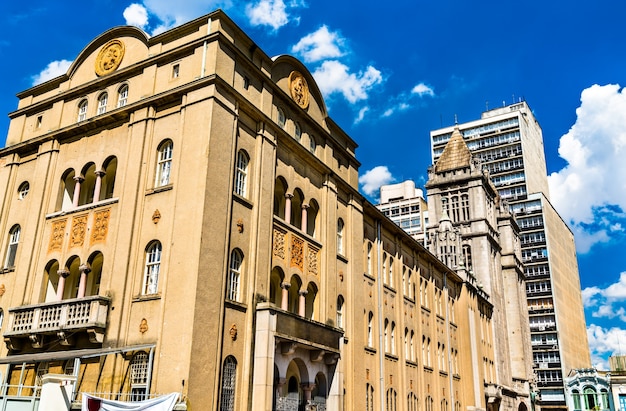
(405, 205)
(181, 215)
(472, 228)
(509, 142)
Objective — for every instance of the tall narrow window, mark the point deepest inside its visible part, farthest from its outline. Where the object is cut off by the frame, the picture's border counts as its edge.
(14, 239)
(102, 103)
(312, 144)
(340, 236)
(122, 96)
(153, 266)
(297, 132)
(229, 379)
(241, 174)
(139, 376)
(234, 275)
(82, 110)
(370, 329)
(340, 312)
(369, 258)
(369, 397)
(176, 71)
(164, 164)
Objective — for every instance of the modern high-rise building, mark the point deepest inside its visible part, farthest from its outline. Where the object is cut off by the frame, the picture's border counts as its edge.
(180, 215)
(509, 143)
(405, 205)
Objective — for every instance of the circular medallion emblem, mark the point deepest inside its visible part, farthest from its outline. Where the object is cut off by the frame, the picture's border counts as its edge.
(109, 58)
(299, 89)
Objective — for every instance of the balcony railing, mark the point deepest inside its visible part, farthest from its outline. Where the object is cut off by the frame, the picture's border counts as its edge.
(63, 318)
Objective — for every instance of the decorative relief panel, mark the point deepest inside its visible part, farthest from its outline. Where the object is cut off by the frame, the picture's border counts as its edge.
(56, 235)
(79, 228)
(312, 260)
(297, 249)
(279, 244)
(109, 57)
(100, 226)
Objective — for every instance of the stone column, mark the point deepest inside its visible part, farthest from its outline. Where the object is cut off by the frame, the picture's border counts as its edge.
(78, 181)
(288, 198)
(63, 274)
(302, 303)
(307, 387)
(284, 298)
(304, 217)
(96, 190)
(85, 269)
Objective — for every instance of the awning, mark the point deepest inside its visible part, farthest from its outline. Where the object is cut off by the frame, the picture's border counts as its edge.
(66, 355)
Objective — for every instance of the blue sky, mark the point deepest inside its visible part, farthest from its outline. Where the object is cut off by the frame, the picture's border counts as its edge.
(391, 72)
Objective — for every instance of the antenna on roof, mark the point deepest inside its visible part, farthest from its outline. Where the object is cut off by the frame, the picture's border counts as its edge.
(486, 105)
(456, 120)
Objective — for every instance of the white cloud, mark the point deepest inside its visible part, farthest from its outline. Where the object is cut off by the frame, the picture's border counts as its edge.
(423, 90)
(604, 342)
(52, 70)
(169, 13)
(372, 180)
(271, 13)
(136, 15)
(607, 302)
(586, 192)
(319, 45)
(334, 77)
(361, 115)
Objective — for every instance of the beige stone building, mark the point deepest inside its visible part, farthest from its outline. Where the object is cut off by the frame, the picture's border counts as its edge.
(180, 215)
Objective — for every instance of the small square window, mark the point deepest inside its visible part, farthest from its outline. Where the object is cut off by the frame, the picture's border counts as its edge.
(175, 70)
(246, 82)
(39, 121)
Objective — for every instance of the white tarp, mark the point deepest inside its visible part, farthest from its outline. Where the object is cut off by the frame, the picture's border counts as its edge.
(162, 403)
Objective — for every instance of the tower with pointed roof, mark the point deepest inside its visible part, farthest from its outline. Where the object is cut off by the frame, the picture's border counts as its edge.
(473, 231)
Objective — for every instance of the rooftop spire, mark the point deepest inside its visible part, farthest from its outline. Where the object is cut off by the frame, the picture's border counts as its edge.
(455, 155)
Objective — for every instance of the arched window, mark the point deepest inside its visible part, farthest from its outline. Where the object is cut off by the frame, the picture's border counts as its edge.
(393, 338)
(296, 208)
(234, 275)
(23, 190)
(164, 164)
(297, 132)
(391, 399)
(107, 175)
(311, 217)
(340, 312)
(153, 267)
(82, 110)
(369, 397)
(370, 329)
(96, 261)
(87, 183)
(390, 271)
(241, 173)
(65, 200)
(122, 95)
(139, 365)
(412, 402)
(312, 144)
(280, 202)
(102, 103)
(340, 236)
(281, 118)
(386, 335)
(369, 258)
(14, 239)
(229, 379)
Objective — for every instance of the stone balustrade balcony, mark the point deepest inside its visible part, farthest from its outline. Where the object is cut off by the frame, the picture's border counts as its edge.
(59, 319)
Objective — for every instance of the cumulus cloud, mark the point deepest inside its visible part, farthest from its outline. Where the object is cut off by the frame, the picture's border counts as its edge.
(162, 15)
(52, 70)
(423, 90)
(319, 45)
(335, 77)
(587, 192)
(607, 302)
(604, 342)
(136, 15)
(271, 13)
(372, 180)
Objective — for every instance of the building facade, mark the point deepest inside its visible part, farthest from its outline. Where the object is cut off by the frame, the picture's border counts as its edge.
(509, 143)
(180, 215)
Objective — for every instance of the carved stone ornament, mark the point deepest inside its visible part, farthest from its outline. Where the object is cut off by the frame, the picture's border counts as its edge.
(233, 332)
(297, 246)
(156, 216)
(143, 326)
(3, 290)
(56, 235)
(279, 244)
(79, 228)
(240, 225)
(299, 89)
(109, 57)
(100, 226)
